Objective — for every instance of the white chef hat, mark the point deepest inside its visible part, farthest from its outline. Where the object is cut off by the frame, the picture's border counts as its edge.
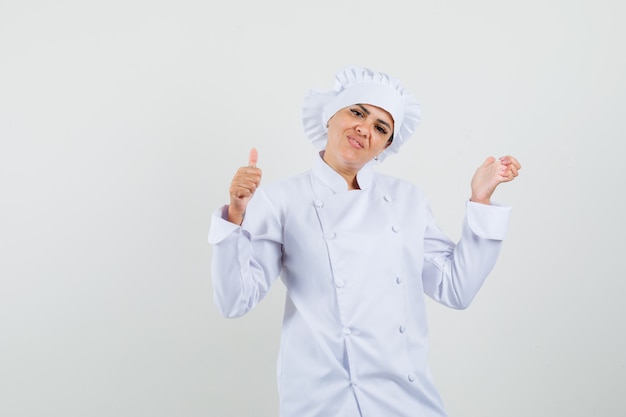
(356, 85)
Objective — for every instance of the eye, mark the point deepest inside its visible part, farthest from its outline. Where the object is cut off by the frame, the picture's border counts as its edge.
(381, 129)
(357, 112)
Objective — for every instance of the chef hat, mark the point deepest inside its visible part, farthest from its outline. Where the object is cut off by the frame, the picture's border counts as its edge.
(356, 85)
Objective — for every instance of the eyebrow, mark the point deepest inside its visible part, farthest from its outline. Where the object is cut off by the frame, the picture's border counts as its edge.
(368, 112)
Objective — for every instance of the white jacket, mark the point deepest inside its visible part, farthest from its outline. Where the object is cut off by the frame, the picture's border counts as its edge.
(356, 265)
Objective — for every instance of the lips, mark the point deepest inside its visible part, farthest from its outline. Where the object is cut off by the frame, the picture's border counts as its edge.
(355, 142)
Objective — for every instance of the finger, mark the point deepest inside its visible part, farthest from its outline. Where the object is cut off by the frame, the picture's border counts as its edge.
(243, 189)
(510, 173)
(509, 160)
(247, 174)
(247, 183)
(241, 193)
(507, 165)
(253, 158)
(505, 160)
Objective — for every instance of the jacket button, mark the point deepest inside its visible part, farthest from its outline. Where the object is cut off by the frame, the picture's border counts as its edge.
(398, 280)
(347, 331)
(329, 235)
(402, 328)
(318, 203)
(411, 377)
(386, 198)
(395, 228)
(354, 382)
(339, 284)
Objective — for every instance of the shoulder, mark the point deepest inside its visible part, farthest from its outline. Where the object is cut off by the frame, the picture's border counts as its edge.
(286, 185)
(283, 191)
(397, 186)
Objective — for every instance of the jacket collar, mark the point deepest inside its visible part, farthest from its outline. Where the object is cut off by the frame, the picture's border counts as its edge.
(336, 182)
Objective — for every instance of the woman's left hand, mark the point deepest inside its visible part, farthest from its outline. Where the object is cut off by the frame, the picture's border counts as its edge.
(492, 173)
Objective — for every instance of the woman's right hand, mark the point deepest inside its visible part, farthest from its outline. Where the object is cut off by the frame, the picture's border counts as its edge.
(242, 188)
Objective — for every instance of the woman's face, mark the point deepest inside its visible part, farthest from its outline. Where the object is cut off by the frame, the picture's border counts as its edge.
(356, 134)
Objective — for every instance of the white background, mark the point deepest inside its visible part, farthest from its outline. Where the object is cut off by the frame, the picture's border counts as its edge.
(122, 122)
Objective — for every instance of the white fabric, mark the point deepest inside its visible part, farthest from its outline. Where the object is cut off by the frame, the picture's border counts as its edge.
(356, 265)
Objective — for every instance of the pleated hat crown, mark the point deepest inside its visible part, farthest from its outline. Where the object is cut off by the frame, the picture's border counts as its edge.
(357, 85)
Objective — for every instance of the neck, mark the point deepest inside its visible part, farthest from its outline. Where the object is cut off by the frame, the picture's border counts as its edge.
(347, 173)
(350, 178)
(353, 185)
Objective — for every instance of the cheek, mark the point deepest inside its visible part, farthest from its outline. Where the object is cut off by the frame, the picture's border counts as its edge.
(332, 136)
(382, 145)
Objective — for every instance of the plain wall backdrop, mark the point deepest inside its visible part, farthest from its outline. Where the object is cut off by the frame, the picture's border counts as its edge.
(122, 123)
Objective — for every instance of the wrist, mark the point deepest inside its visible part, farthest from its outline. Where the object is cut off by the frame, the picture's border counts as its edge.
(236, 216)
(485, 201)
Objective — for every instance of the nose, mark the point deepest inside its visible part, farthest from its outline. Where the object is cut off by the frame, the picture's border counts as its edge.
(362, 129)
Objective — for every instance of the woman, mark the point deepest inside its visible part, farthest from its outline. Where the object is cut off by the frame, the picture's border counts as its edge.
(356, 251)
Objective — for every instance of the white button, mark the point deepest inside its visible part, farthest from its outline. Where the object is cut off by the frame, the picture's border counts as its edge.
(339, 284)
(354, 382)
(347, 331)
(395, 228)
(398, 280)
(329, 235)
(402, 328)
(318, 203)
(411, 377)
(387, 198)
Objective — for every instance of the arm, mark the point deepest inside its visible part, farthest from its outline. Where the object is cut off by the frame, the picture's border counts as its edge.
(453, 274)
(246, 252)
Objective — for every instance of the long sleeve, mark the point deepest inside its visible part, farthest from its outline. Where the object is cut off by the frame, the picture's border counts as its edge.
(453, 274)
(246, 259)
(356, 265)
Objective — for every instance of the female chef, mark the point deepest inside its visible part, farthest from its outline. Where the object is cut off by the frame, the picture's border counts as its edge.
(357, 251)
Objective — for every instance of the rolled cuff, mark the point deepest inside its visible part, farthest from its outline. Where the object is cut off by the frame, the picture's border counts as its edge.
(488, 221)
(220, 227)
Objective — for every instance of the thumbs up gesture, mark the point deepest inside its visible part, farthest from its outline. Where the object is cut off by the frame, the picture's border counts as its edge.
(242, 188)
